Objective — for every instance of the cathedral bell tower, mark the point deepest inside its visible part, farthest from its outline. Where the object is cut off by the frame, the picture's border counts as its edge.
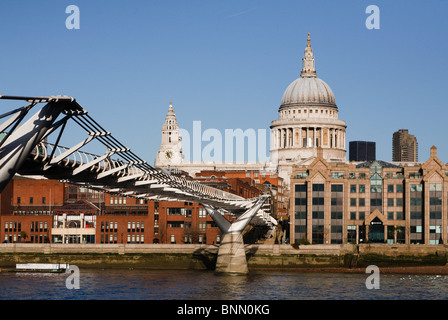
(170, 152)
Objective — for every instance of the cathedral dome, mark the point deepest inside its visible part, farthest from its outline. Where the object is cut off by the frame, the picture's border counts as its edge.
(308, 91)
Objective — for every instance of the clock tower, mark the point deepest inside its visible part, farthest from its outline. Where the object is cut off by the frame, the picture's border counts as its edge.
(170, 152)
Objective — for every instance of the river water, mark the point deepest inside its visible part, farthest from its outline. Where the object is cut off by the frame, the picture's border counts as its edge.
(127, 284)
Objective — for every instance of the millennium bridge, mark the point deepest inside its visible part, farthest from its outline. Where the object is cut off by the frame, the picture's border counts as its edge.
(113, 168)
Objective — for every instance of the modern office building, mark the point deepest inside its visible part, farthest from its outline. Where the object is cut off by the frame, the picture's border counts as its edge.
(371, 201)
(362, 151)
(404, 146)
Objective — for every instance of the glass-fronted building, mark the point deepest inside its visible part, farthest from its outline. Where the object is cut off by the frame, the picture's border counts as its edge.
(371, 201)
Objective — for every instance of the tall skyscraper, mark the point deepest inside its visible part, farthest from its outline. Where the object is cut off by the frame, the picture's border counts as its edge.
(404, 146)
(362, 151)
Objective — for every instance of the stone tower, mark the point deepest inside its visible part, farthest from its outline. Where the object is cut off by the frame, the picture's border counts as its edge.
(170, 152)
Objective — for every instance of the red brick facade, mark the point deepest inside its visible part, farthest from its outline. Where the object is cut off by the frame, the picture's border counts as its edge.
(39, 210)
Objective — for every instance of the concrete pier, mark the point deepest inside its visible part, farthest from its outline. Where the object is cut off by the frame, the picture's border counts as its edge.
(231, 255)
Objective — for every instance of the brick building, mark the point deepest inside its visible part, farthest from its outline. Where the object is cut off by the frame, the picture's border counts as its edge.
(42, 210)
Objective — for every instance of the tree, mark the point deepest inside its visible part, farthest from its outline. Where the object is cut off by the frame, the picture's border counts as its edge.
(23, 235)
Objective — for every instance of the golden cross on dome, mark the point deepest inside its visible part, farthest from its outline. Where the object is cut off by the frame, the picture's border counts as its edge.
(308, 45)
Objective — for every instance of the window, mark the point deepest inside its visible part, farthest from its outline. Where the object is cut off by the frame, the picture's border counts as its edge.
(318, 187)
(175, 211)
(18, 200)
(353, 188)
(390, 202)
(435, 200)
(337, 175)
(336, 215)
(202, 226)
(31, 200)
(173, 239)
(317, 234)
(361, 202)
(318, 214)
(338, 188)
(300, 214)
(362, 188)
(352, 215)
(390, 216)
(399, 202)
(390, 188)
(352, 202)
(302, 175)
(414, 175)
(43, 200)
(435, 187)
(435, 215)
(399, 188)
(375, 183)
(202, 213)
(175, 224)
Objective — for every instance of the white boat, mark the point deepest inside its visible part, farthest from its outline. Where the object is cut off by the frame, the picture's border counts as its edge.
(42, 267)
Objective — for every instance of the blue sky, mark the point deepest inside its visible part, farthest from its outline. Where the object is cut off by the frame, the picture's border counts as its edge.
(227, 63)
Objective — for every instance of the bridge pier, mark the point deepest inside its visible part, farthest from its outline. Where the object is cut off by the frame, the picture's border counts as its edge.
(231, 252)
(231, 255)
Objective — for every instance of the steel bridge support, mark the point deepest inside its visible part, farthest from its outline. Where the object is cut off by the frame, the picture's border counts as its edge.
(231, 253)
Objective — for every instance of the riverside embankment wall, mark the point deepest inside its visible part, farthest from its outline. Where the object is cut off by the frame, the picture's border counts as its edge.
(190, 256)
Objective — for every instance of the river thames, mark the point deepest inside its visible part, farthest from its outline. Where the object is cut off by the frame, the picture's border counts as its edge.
(128, 284)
